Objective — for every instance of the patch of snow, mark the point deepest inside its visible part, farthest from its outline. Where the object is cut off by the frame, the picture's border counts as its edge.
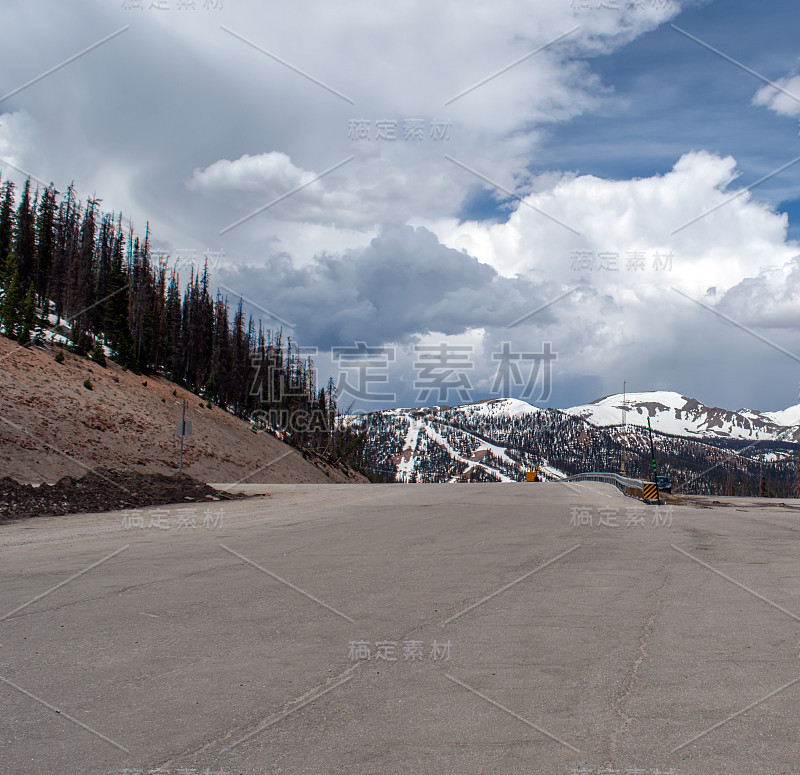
(405, 468)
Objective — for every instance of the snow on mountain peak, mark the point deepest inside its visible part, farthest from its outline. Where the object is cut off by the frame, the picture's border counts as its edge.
(499, 407)
(677, 414)
(790, 416)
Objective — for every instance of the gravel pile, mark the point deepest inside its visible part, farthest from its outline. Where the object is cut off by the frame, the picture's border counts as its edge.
(102, 490)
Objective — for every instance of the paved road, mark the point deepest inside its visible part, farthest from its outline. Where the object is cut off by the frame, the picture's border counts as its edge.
(667, 644)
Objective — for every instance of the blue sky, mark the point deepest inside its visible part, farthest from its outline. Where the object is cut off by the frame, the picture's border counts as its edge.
(669, 95)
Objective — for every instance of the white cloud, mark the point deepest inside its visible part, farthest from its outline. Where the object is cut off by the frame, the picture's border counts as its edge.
(785, 100)
(624, 321)
(771, 299)
(242, 129)
(379, 186)
(266, 173)
(18, 134)
(251, 129)
(641, 216)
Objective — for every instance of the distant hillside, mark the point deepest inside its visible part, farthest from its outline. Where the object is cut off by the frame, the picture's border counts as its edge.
(52, 426)
(499, 440)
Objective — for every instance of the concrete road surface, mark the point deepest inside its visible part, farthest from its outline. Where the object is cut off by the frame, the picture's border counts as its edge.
(484, 628)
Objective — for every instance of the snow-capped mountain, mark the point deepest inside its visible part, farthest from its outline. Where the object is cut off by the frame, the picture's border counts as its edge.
(683, 416)
(460, 443)
(702, 449)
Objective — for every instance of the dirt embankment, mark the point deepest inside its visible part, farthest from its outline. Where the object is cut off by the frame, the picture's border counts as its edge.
(52, 426)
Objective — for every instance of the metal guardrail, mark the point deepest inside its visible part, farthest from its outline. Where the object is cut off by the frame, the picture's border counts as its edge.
(626, 485)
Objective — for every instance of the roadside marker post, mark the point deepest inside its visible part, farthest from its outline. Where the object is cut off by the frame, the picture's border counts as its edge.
(653, 454)
(184, 429)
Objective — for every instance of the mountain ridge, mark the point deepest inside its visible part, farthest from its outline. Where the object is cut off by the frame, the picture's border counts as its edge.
(706, 450)
(678, 414)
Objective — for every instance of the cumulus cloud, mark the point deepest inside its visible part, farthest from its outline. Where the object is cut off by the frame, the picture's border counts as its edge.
(770, 299)
(266, 173)
(472, 279)
(784, 100)
(234, 121)
(405, 284)
(361, 191)
(714, 233)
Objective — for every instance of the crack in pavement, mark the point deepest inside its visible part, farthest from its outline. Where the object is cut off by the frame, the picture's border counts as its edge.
(633, 676)
(253, 729)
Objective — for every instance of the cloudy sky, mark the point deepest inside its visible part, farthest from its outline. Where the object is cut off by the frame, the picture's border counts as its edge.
(616, 182)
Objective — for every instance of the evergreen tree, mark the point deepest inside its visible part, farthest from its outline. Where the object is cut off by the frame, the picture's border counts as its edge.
(27, 316)
(81, 278)
(45, 244)
(173, 357)
(66, 221)
(115, 307)
(25, 238)
(6, 228)
(10, 307)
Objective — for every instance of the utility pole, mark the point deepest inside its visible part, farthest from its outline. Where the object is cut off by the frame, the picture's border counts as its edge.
(624, 426)
(798, 476)
(653, 454)
(183, 433)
